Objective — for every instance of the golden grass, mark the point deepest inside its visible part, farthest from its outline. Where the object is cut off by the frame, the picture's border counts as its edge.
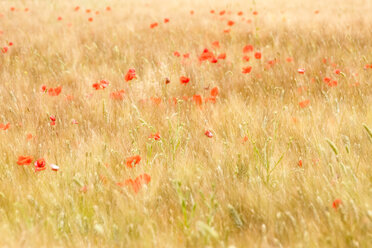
(204, 192)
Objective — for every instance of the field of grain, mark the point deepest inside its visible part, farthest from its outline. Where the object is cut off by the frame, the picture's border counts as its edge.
(186, 123)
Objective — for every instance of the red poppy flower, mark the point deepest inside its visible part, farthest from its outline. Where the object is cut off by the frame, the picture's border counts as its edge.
(53, 120)
(77, 8)
(247, 69)
(214, 91)
(186, 55)
(222, 12)
(131, 74)
(25, 160)
(145, 178)
(300, 163)
(167, 81)
(337, 71)
(304, 103)
(247, 49)
(108, 8)
(177, 54)
(137, 183)
(40, 165)
(4, 49)
(197, 99)
(59, 18)
(155, 136)
(10, 43)
(97, 86)
(153, 25)
(4, 126)
(90, 19)
(258, 55)
(327, 79)
(184, 80)
(255, 13)
(55, 91)
(101, 85)
(332, 83)
(208, 133)
(230, 23)
(206, 55)
(166, 20)
(240, 13)
(336, 203)
(133, 161)
(213, 60)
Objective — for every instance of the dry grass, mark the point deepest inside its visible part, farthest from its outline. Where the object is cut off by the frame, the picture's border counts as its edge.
(221, 191)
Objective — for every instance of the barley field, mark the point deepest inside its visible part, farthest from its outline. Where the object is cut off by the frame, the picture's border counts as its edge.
(186, 123)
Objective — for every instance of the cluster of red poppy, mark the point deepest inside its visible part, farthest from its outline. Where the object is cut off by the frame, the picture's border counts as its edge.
(137, 183)
(6, 48)
(88, 11)
(14, 9)
(330, 82)
(155, 136)
(258, 55)
(210, 56)
(230, 22)
(156, 24)
(52, 91)
(197, 99)
(101, 85)
(39, 164)
(207, 55)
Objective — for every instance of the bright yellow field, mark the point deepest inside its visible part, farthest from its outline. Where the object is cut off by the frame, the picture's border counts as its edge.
(288, 159)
